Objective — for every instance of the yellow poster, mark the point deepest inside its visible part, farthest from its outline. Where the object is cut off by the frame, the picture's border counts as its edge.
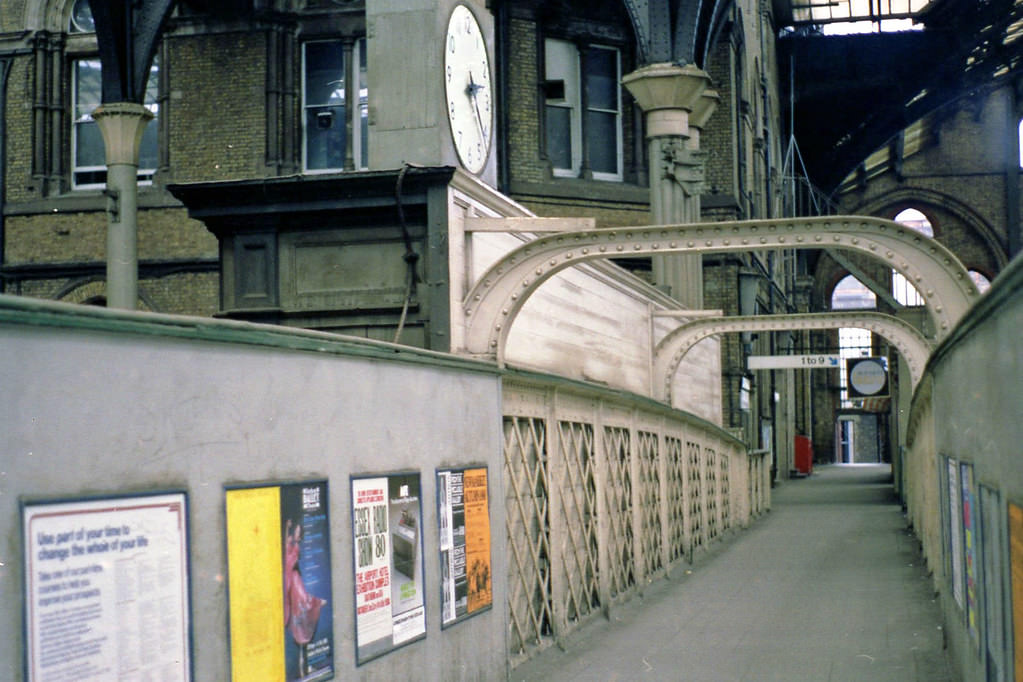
(1016, 550)
(256, 607)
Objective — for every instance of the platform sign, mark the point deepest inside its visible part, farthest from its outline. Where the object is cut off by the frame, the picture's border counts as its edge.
(107, 589)
(818, 361)
(868, 377)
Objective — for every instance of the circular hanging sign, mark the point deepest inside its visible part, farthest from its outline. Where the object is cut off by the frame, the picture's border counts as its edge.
(867, 376)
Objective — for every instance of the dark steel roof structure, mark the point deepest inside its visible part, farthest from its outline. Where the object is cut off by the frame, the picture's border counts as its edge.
(853, 93)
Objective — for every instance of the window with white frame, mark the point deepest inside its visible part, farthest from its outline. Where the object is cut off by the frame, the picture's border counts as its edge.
(583, 110)
(88, 153)
(335, 136)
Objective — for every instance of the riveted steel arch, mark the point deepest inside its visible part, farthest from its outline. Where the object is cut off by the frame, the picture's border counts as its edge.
(496, 299)
(911, 344)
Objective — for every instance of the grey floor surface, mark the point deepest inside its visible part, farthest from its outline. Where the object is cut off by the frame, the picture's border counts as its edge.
(829, 586)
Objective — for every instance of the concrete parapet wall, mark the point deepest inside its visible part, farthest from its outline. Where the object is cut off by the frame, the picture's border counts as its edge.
(98, 403)
(964, 481)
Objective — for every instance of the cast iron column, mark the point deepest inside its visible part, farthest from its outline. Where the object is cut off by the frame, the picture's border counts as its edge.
(672, 99)
(122, 125)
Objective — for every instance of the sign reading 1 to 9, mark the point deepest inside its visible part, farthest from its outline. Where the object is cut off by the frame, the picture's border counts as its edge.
(818, 361)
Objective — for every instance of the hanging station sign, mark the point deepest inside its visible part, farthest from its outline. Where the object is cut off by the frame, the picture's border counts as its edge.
(868, 377)
(818, 361)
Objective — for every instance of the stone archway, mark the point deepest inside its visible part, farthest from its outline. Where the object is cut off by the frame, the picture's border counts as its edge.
(911, 344)
(90, 290)
(888, 203)
(495, 300)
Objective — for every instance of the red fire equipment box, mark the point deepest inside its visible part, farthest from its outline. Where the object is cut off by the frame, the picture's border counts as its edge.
(804, 455)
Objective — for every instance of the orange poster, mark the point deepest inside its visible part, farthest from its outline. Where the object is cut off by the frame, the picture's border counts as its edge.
(464, 518)
(1016, 550)
(477, 538)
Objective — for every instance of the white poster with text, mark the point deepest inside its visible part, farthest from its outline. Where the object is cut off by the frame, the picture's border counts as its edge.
(107, 589)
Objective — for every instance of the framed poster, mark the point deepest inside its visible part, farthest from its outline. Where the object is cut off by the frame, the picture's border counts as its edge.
(1016, 569)
(992, 571)
(969, 548)
(390, 607)
(106, 588)
(955, 519)
(279, 582)
(463, 514)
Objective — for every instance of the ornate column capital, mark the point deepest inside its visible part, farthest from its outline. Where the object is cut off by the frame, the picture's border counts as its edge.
(122, 125)
(668, 95)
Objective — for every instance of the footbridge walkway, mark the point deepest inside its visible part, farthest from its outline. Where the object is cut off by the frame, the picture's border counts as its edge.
(830, 585)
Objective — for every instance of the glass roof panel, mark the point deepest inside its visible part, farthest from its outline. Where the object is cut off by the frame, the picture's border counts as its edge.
(828, 11)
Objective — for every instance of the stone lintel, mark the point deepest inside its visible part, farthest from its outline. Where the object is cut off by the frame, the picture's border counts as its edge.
(529, 224)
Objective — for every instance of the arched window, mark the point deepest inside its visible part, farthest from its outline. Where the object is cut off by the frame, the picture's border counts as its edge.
(81, 18)
(851, 294)
(904, 292)
(982, 282)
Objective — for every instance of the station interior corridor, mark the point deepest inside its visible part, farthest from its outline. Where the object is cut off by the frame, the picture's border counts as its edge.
(830, 585)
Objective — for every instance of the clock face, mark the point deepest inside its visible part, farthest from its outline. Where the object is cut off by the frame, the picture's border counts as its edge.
(467, 89)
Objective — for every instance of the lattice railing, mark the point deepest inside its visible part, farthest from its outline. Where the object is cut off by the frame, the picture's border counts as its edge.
(618, 502)
(710, 489)
(576, 492)
(676, 499)
(695, 463)
(598, 501)
(651, 528)
(527, 508)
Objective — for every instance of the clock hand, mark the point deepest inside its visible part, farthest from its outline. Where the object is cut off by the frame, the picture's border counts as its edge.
(471, 91)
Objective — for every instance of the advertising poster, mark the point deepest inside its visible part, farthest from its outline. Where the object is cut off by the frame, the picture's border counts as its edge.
(389, 604)
(464, 519)
(281, 606)
(955, 531)
(970, 548)
(1016, 568)
(107, 589)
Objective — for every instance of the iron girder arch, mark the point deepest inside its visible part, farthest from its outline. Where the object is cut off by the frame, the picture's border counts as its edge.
(494, 301)
(669, 352)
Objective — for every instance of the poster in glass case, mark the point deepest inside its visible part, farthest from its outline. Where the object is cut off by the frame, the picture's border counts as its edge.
(390, 608)
(281, 606)
(106, 588)
(464, 519)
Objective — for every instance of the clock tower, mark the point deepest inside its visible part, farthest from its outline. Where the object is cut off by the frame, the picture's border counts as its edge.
(431, 78)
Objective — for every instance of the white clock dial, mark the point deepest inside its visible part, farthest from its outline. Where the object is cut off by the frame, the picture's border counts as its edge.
(467, 89)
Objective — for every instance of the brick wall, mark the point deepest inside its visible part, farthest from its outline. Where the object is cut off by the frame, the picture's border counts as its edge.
(217, 123)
